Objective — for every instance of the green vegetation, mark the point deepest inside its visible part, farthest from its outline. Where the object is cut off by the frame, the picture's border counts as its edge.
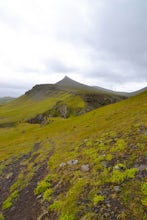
(1, 216)
(30, 107)
(144, 193)
(119, 176)
(97, 199)
(42, 187)
(2, 167)
(47, 194)
(9, 201)
(71, 198)
(109, 141)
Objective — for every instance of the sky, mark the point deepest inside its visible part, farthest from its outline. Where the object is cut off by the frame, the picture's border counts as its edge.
(96, 42)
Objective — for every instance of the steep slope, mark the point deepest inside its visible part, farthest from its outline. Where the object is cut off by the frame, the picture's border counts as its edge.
(88, 167)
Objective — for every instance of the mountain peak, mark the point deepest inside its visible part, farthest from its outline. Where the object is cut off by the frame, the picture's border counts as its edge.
(65, 79)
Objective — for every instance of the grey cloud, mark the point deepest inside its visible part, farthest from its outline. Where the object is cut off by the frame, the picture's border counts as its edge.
(26, 69)
(122, 33)
(121, 36)
(11, 85)
(58, 66)
(113, 37)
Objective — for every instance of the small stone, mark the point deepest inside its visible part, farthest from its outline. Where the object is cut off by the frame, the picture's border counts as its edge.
(85, 168)
(85, 140)
(142, 167)
(9, 175)
(27, 192)
(72, 162)
(102, 192)
(134, 147)
(102, 155)
(62, 164)
(117, 167)
(96, 210)
(108, 205)
(117, 188)
(43, 216)
(104, 164)
(106, 215)
(39, 196)
(13, 208)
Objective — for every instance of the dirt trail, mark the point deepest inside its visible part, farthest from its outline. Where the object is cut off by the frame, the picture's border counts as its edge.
(27, 206)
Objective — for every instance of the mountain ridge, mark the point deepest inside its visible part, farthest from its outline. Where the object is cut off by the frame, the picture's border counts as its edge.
(68, 84)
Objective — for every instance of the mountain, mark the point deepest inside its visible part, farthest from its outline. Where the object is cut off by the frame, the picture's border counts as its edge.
(6, 99)
(85, 166)
(71, 85)
(64, 99)
(137, 92)
(68, 85)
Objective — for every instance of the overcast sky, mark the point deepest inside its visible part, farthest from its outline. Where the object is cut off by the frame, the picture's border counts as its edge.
(96, 42)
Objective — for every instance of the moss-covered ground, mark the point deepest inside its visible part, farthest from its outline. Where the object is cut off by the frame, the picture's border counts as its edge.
(95, 164)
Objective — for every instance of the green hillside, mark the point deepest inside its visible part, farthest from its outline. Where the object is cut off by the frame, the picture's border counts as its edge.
(52, 100)
(26, 107)
(88, 167)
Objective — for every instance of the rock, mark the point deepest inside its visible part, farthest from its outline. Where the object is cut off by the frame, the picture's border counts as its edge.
(85, 168)
(72, 162)
(108, 205)
(62, 164)
(106, 215)
(102, 192)
(104, 163)
(102, 155)
(117, 188)
(9, 175)
(39, 196)
(134, 147)
(85, 140)
(43, 216)
(13, 208)
(142, 167)
(117, 167)
(96, 210)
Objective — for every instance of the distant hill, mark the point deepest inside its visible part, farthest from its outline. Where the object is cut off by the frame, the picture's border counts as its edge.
(6, 99)
(137, 92)
(68, 85)
(65, 98)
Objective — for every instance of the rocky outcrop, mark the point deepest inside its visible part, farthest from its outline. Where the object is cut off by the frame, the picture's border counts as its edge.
(94, 100)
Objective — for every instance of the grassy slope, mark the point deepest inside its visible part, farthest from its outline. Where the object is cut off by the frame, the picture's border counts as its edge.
(110, 136)
(25, 107)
